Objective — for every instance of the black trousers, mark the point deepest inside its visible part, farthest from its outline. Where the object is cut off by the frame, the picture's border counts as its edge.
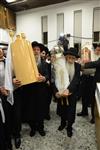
(17, 112)
(48, 98)
(88, 93)
(5, 128)
(36, 125)
(35, 104)
(68, 111)
(2, 135)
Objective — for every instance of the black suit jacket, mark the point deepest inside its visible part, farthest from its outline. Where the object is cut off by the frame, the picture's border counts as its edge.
(74, 84)
(94, 64)
(43, 69)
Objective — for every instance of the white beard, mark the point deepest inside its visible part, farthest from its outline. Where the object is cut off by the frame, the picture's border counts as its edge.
(38, 60)
(71, 70)
(61, 74)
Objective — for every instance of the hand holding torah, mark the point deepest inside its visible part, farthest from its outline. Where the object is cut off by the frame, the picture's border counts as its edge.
(16, 82)
(66, 93)
(58, 95)
(41, 78)
(4, 91)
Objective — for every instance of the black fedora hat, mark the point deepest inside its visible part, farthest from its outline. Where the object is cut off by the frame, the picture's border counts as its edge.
(34, 44)
(72, 51)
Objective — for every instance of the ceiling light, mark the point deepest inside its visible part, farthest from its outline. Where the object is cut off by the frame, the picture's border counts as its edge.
(10, 1)
(18, 2)
(61, 34)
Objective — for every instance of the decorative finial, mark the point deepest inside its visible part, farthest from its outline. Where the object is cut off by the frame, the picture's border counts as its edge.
(11, 34)
(23, 35)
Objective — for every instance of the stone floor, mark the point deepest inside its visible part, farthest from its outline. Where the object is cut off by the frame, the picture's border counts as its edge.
(83, 138)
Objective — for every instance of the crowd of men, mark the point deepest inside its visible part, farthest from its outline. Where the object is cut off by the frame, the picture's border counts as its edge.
(32, 101)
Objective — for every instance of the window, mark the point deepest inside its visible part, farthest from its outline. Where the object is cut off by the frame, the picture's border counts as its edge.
(77, 26)
(96, 25)
(44, 22)
(77, 29)
(60, 24)
(96, 36)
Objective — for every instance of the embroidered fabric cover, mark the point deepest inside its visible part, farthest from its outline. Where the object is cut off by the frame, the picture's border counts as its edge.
(86, 52)
(61, 73)
(85, 55)
(24, 63)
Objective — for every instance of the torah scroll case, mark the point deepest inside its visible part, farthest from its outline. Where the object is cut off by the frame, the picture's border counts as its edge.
(23, 59)
(61, 73)
(86, 52)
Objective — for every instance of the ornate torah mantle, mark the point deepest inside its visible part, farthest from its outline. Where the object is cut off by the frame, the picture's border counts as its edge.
(61, 73)
(24, 63)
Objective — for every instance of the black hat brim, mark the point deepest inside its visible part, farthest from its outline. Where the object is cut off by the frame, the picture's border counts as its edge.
(70, 53)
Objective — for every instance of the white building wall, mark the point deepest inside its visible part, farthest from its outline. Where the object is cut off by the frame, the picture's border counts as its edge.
(29, 21)
(4, 35)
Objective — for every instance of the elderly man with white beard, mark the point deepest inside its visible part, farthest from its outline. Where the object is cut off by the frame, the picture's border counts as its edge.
(68, 98)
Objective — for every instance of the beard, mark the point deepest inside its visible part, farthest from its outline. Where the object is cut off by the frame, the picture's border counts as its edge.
(38, 59)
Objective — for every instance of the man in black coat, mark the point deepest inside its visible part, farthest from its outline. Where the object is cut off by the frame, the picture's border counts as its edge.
(5, 109)
(96, 65)
(68, 110)
(36, 93)
(45, 55)
(30, 101)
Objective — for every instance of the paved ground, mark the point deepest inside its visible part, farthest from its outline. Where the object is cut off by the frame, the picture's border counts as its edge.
(83, 138)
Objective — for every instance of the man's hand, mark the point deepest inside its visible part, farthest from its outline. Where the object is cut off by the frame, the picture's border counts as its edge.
(16, 82)
(65, 93)
(58, 95)
(4, 91)
(41, 78)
